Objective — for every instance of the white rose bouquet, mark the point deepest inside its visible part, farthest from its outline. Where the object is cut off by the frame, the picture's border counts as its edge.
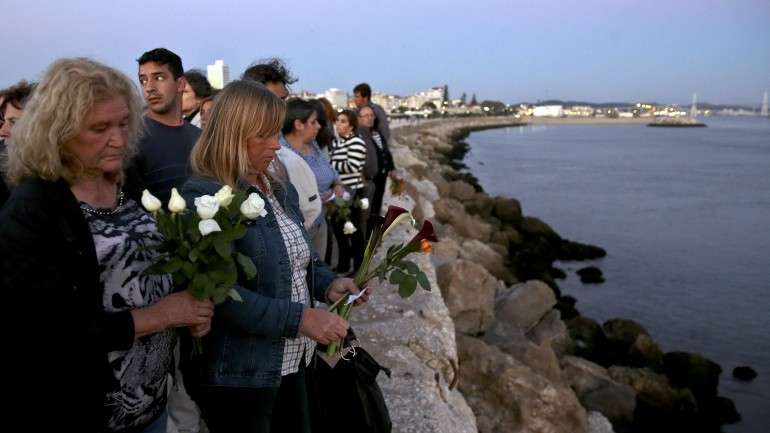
(197, 247)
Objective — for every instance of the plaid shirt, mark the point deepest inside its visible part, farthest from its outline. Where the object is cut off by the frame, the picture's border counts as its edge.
(299, 257)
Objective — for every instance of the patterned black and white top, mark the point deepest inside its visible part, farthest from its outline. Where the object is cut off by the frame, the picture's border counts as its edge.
(299, 258)
(138, 393)
(348, 156)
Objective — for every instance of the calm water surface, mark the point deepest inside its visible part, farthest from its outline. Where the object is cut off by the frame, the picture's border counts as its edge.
(684, 215)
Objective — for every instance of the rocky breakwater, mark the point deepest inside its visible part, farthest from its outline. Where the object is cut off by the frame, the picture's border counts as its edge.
(520, 353)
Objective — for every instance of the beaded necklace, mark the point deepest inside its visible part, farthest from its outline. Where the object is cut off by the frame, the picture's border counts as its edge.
(104, 212)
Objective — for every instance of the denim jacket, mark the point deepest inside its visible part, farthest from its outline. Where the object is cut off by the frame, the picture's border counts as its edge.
(246, 342)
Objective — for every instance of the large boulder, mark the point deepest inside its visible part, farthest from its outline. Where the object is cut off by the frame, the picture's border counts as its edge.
(659, 405)
(508, 210)
(472, 227)
(590, 275)
(569, 250)
(693, 371)
(525, 304)
(462, 191)
(597, 391)
(486, 256)
(447, 209)
(553, 332)
(645, 352)
(481, 204)
(507, 396)
(598, 423)
(447, 250)
(535, 227)
(469, 292)
(588, 337)
(623, 332)
(539, 357)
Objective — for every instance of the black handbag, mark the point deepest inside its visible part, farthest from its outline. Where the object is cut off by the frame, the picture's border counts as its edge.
(345, 397)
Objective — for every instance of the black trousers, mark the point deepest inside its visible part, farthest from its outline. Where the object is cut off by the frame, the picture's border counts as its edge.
(350, 246)
(258, 410)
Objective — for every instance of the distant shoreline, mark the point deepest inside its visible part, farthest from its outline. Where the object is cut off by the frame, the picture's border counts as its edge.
(587, 120)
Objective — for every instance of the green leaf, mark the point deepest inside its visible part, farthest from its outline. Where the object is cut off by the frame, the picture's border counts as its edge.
(247, 266)
(397, 276)
(234, 295)
(407, 287)
(193, 256)
(223, 247)
(202, 286)
(172, 265)
(423, 280)
(189, 270)
(219, 296)
(238, 232)
(409, 267)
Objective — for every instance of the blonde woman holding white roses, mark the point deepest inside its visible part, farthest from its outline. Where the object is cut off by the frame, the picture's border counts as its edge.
(252, 374)
(88, 335)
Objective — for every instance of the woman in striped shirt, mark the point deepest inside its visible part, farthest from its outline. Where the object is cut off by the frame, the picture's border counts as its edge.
(348, 155)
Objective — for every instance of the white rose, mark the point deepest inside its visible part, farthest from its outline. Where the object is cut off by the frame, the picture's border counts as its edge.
(346, 196)
(364, 203)
(206, 206)
(208, 226)
(348, 228)
(225, 196)
(253, 206)
(176, 203)
(150, 202)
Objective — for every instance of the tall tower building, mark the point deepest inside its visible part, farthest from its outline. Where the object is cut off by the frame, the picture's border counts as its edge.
(337, 97)
(218, 74)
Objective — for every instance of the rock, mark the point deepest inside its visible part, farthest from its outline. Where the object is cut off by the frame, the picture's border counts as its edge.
(597, 391)
(693, 371)
(447, 209)
(512, 236)
(507, 396)
(442, 185)
(526, 304)
(588, 337)
(445, 251)
(403, 157)
(590, 275)
(557, 273)
(659, 406)
(462, 191)
(484, 255)
(744, 373)
(415, 338)
(569, 250)
(536, 227)
(540, 358)
(645, 352)
(508, 210)
(469, 292)
(553, 332)
(425, 188)
(423, 210)
(623, 332)
(566, 306)
(720, 410)
(471, 227)
(481, 204)
(597, 423)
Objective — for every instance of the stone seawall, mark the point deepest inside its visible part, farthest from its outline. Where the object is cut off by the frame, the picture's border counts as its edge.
(494, 347)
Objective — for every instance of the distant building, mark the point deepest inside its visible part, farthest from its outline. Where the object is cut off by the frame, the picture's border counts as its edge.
(548, 111)
(388, 102)
(435, 96)
(579, 111)
(337, 97)
(218, 74)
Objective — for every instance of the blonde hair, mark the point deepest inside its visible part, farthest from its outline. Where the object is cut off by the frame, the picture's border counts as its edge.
(242, 110)
(56, 113)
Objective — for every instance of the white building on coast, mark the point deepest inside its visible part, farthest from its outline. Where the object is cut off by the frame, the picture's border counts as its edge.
(218, 74)
(548, 111)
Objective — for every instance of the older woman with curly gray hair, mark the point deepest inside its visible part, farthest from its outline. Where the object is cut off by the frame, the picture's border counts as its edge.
(91, 333)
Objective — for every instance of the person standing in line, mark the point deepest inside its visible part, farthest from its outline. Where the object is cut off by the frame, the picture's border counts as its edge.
(382, 166)
(348, 157)
(162, 161)
(251, 375)
(92, 335)
(195, 92)
(12, 101)
(362, 97)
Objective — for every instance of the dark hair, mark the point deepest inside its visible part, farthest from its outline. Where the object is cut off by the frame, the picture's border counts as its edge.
(199, 83)
(297, 109)
(363, 89)
(16, 95)
(352, 118)
(271, 70)
(325, 135)
(163, 56)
